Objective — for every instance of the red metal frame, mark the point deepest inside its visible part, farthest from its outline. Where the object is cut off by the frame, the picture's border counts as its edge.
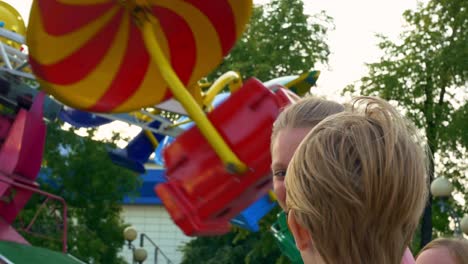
(20, 161)
(16, 184)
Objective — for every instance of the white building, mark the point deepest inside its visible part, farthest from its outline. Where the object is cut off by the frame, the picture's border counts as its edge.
(148, 216)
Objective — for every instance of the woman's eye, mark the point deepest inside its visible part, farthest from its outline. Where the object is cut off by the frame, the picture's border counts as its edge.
(279, 173)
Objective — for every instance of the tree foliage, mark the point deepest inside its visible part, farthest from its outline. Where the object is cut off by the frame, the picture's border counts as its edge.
(425, 73)
(238, 246)
(280, 40)
(79, 170)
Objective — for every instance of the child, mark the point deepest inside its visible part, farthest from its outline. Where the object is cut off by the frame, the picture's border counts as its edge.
(444, 250)
(356, 186)
(289, 129)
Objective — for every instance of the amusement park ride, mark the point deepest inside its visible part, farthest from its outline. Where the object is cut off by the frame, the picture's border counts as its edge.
(91, 62)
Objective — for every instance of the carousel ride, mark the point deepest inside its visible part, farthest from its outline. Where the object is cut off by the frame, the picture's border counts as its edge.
(92, 62)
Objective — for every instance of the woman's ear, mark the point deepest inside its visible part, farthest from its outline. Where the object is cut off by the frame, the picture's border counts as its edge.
(301, 234)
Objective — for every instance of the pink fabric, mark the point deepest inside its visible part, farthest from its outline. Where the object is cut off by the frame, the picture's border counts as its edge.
(408, 257)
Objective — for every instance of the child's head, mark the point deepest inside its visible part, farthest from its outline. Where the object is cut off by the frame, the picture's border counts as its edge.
(305, 113)
(444, 250)
(289, 129)
(356, 186)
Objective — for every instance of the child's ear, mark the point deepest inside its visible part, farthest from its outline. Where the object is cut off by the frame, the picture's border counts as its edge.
(301, 234)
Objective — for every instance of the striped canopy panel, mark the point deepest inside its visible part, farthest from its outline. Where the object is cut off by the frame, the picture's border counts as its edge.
(90, 54)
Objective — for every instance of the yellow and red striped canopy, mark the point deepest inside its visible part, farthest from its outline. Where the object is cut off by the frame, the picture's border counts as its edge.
(90, 54)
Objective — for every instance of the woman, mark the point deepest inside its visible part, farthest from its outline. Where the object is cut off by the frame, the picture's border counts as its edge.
(444, 250)
(356, 186)
(289, 129)
(291, 126)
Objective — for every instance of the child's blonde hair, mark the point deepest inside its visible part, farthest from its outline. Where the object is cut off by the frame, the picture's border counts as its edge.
(458, 248)
(306, 112)
(358, 183)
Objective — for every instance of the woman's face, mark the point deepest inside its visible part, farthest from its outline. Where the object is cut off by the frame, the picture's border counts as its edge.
(435, 256)
(284, 145)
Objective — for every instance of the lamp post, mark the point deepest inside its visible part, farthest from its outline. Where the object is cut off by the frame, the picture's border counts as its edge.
(441, 189)
(139, 254)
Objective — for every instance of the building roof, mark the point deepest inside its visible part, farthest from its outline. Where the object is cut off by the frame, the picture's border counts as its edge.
(11, 252)
(146, 194)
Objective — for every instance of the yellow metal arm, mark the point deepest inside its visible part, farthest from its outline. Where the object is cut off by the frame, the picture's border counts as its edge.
(180, 123)
(152, 138)
(228, 157)
(229, 77)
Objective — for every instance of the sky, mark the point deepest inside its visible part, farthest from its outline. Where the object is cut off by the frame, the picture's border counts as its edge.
(352, 42)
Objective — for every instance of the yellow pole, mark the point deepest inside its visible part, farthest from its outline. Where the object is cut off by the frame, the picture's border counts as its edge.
(180, 123)
(152, 139)
(230, 160)
(218, 85)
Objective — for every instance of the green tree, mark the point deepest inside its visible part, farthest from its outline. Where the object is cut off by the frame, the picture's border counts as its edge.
(80, 171)
(238, 246)
(425, 73)
(280, 40)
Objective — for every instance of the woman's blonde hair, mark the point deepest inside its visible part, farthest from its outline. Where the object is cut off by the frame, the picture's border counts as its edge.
(358, 183)
(306, 112)
(458, 248)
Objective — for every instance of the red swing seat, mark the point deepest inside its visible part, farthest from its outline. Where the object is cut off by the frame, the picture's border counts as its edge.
(201, 195)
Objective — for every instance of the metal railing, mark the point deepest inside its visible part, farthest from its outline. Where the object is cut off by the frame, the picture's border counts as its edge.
(157, 250)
